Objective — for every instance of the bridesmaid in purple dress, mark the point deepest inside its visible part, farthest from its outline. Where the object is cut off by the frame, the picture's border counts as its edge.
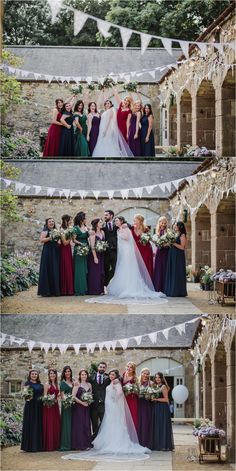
(145, 412)
(160, 265)
(96, 259)
(93, 122)
(134, 130)
(81, 436)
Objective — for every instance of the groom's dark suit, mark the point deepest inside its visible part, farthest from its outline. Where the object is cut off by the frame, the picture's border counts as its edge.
(97, 408)
(111, 253)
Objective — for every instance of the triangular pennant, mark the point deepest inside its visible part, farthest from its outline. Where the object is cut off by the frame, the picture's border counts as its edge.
(45, 346)
(185, 48)
(150, 188)
(55, 6)
(91, 347)
(220, 47)
(72, 194)
(162, 186)
(176, 183)
(180, 328)
(113, 344)
(138, 192)
(167, 43)
(153, 337)
(133, 73)
(76, 347)
(124, 194)
(168, 185)
(103, 27)
(53, 346)
(3, 338)
(152, 73)
(27, 188)
(62, 347)
(110, 194)
(165, 332)
(138, 339)
(31, 344)
(203, 49)
(19, 341)
(96, 193)
(66, 193)
(100, 346)
(12, 339)
(19, 186)
(7, 182)
(50, 191)
(145, 40)
(79, 21)
(108, 345)
(49, 78)
(124, 343)
(61, 193)
(125, 35)
(82, 194)
(37, 189)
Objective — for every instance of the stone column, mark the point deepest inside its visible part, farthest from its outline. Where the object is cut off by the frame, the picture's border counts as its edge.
(193, 241)
(194, 117)
(213, 214)
(230, 397)
(213, 382)
(178, 99)
(218, 122)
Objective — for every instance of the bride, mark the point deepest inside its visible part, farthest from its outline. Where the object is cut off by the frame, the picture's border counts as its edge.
(110, 141)
(117, 436)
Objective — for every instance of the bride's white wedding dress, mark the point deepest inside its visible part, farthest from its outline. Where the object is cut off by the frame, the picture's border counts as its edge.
(131, 281)
(110, 141)
(117, 438)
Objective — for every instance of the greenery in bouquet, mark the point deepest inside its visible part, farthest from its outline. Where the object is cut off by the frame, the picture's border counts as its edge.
(166, 239)
(68, 401)
(48, 400)
(87, 397)
(76, 89)
(131, 86)
(55, 235)
(130, 388)
(27, 393)
(153, 393)
(107, 83)
(18, 273)
(101, 246)
(11, 418)
(145, 238)
(82, 250)
(91, 87)
(68, 233)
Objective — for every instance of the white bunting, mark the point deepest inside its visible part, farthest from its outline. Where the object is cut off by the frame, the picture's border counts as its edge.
(149, 189)
(167, 43)
(125, 36)
(220, 47)
(50, 191)
(55, 6)
(31, 344)
(176, 183)
(12, 339)
(7, 182)
(96, 193)
(100, 346)
(66, 193)
(53, 346)
(62, 347)
(203, 49)
(91, 347)
(19, 186)
(145, 40)
(27, 188)
(79, 21)
(110, 194)
(138, 339)
(60, 193)
(152, 73)
(180, 328)
(89, 79)
(153, 337)
(19, 341)
(103, 27)
(165, 332)
(124, 343)
(37, 189)
(185, 48)
(72, 194)
(168, 186)
(138, 192)
(82, 194)
(76, 347)
(162, 186)
(45, 346)
(113, 344)
(2, 339)
(124, 194)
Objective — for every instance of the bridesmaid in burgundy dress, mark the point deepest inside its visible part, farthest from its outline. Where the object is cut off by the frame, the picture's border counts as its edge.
(81, 436)
(145, 412)
(51, 147)
(138, 229)
(93, 122)
(66, 261)
(160, 265)
(123, 114)
(51, 415)
(134, 130)
(129, 377)
(96, 272)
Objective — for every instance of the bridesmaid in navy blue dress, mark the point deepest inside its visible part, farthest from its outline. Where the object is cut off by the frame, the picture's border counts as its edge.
(49, 273)
(145, 412)
(96, 274)
(81, 436)
(176, 265)
(93, 121)
(160, 265)
(67, 132)
(147, 136)
(32, 432)
(162, 434)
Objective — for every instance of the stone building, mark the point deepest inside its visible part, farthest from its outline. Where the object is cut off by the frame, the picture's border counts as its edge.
(197, 99)
(172, 355)
(215, 347)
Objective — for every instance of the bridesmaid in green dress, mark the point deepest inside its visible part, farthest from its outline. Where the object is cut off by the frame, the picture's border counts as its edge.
(66, 387)
(81, 144)
(80, 261)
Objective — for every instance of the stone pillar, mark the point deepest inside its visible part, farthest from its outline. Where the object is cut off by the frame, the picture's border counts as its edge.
(178, 99)
(206, 376)
(213, 390)
(230, 398)
(193, 241)
(218, 123)
(213, 238)
(194, 118)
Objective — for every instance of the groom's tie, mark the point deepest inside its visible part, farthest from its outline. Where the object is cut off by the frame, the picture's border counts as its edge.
(109, 226)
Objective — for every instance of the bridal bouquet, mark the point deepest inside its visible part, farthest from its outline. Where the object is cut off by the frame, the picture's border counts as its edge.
(153, 393)
(68, 233)
(130, 389)
(101, 246)
(166, 239)
(145, 238)
(55, 235)
(143, 391)
(27, 393)
(68, 401)
(82, 250)
(48, 400)
(87, 397)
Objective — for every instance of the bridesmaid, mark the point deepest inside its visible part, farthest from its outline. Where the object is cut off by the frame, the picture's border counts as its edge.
(145, 412)
(129, 377)
(49, 282)
(66, 260)
(94, 119)
(175, 284)
(134, 130)
(162, 434)
(96, 259)
(32, 432)
(66, 387)
(80, 261)
(147, 136)
(123, 114)
(67, 133)
(161, 258)
(51, 415)
(81, 145)
(51, 147)
(81, 426)
(137, 230)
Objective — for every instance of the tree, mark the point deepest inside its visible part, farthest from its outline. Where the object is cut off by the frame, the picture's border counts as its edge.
(10, 87)
(8, 199)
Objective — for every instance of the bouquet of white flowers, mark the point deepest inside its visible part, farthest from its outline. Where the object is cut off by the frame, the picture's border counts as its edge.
(142, 391)
(87, 397)
(82, 250)
(55, 235)
(27, 393)
(166, 239)
(68, 233)
(145, 238)
(130, 388)
(48, 400)
(153, 393)
(101, 246)
(68, 401)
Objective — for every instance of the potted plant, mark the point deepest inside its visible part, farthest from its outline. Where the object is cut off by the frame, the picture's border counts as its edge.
(206, 281)
(195, 276)
(206, 433)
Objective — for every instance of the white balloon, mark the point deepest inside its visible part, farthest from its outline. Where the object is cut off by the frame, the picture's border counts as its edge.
(180, 394)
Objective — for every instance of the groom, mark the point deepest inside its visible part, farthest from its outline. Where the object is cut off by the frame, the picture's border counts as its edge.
(110, 255)
(99, 381)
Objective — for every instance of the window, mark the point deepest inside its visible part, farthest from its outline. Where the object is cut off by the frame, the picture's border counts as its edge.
(14, 386)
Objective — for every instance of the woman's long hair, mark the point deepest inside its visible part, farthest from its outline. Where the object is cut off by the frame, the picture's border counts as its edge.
(45, 228)
(163, 380)
(89, 106)
(150, 109)
(29, 376)
(79, 102)
(79, 218)
(67, 367)
(65, 221)
(140, 218)
(181, 227)
(55, 372)
(140, 376)
(83, 370)
(94, 224)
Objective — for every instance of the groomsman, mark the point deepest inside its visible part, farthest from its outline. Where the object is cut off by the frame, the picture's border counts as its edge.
(110, 255)
(99, 381)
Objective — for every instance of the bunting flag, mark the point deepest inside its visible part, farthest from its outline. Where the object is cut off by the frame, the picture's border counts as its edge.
(79, 21)
(55, 6)
(91, 346)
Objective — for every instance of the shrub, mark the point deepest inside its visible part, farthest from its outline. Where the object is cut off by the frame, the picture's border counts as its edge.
(18, 146)
(11, 417)
(18, 273)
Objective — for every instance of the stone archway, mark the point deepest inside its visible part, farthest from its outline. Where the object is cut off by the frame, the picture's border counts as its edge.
(225, 233)
(228, 115)
(207, 386)
(186, 118)
(219, 388)
(203, 237)
(150, 216)
(206, 115)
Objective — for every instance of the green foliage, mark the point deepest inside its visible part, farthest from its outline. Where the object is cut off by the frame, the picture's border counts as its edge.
(18, 273)
(10, 87)
(19, 146)
(11, 418)
(9, 210)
